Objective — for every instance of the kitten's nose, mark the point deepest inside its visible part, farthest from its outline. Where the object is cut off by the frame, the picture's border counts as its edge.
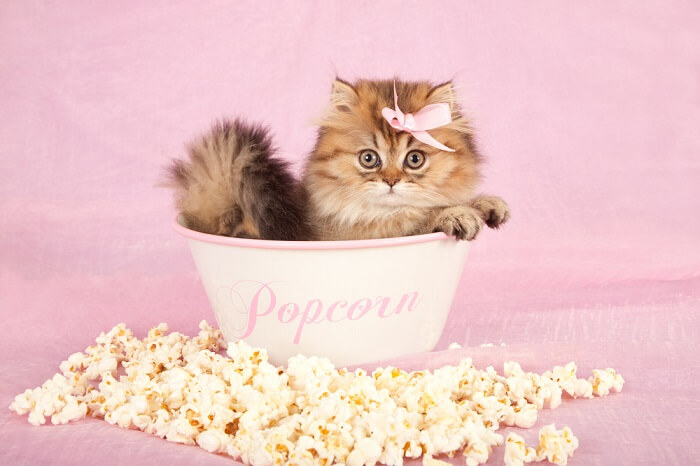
(391, 181)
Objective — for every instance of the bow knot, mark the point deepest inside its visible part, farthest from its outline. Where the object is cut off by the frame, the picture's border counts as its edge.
(409, 122)
(429, 117)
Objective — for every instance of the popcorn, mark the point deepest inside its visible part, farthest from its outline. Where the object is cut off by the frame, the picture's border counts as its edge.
(480, 443)
(428, 460)
(603, 381)
(517, 452)
(182, 389)
(566, 378)
(556, 445)
(453, 346)
(526, 416)
(365, 452)
(213, 440)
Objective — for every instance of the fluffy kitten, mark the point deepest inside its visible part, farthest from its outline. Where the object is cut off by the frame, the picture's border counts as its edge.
(365, 179)
(232, 185)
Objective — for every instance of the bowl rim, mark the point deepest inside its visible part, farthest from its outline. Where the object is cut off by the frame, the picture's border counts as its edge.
(304, 245)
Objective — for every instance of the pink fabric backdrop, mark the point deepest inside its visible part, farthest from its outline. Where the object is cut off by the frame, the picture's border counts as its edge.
(588, 115)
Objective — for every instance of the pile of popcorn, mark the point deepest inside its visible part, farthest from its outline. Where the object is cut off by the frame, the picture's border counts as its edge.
(183, 390)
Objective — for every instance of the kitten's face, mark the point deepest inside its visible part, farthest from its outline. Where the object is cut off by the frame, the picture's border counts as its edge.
(361, 162)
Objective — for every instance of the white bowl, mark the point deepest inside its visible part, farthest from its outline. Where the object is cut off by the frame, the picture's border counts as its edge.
(351, 301)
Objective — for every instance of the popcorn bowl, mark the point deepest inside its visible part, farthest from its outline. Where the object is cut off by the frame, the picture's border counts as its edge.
(351, 301)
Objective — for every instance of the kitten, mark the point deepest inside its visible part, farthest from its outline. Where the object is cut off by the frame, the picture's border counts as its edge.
(232, 185)
(365, 179)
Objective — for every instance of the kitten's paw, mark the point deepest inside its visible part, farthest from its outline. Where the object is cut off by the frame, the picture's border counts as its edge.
(494, 210)
(461, 222)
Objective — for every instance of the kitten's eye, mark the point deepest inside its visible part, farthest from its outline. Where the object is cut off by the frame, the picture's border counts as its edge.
(369, 159)
(415, 159)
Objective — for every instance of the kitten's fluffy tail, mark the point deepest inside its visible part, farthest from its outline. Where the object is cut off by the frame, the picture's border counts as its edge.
(232, 185)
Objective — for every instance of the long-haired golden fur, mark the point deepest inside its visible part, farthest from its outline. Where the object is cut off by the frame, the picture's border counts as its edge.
(349, 201)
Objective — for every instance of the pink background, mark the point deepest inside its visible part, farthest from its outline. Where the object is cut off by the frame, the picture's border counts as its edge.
(588, 116)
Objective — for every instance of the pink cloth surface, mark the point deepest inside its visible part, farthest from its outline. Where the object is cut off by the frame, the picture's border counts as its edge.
(587, 114)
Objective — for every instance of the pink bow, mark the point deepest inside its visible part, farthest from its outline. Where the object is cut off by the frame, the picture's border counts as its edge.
(429, 117)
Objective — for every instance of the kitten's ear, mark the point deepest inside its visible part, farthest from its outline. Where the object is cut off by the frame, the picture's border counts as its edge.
(443, 93)
(343, 96)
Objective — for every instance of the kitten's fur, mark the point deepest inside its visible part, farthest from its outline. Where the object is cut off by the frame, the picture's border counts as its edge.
(350, 202)
(233, 185)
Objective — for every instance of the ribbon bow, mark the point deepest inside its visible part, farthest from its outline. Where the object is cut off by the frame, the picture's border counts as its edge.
(429, 117)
